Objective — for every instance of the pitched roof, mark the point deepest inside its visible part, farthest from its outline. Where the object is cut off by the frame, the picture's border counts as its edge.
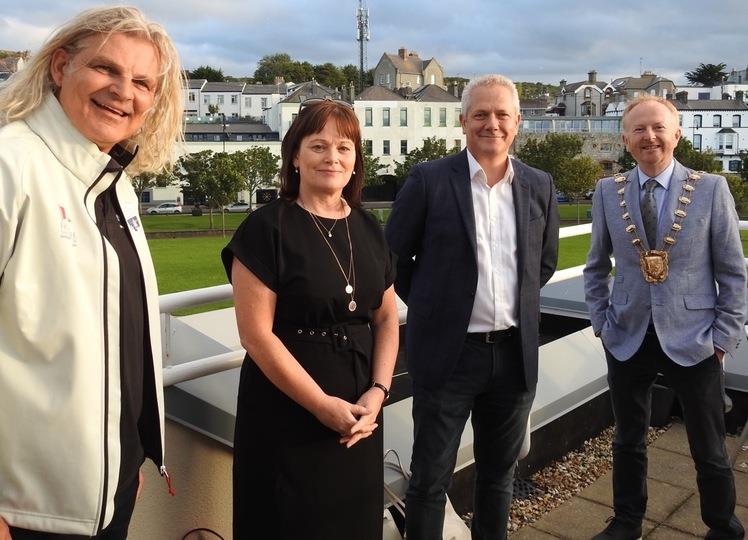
(311, 89)
(379, 93)
(265, 89)
(710, 105)
(432, 92)
(196, 84)
(224, 87)
(639, 83)
(573, 87)
(411, 64)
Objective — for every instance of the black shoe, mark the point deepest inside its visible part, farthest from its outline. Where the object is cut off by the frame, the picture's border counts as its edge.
(619, 530)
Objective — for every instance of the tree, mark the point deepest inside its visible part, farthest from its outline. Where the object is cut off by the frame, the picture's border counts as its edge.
(329, 75)
(707, 74)
(626, 162)
(224, 183)
(281, 65)
(350, 72)
(258, 167)
(559, 155)
(213, 108)
(207, 72)
(576, 176)
(371, 170)
(699, 161)
(149, 180)
(739, 189)
(744, 164)
(194, 174)
(433, 148)
(547, 153)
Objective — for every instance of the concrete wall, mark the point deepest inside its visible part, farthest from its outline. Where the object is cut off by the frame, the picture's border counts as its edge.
(201, 472)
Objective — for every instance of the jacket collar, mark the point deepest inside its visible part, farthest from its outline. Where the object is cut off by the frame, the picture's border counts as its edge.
(79, 155)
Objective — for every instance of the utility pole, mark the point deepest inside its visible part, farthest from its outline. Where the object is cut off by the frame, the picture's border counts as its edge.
(362, 36)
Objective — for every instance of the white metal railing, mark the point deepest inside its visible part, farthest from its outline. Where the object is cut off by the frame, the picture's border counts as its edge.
(168, 303)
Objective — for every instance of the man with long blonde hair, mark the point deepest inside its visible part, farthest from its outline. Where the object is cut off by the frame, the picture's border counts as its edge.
(81, 399)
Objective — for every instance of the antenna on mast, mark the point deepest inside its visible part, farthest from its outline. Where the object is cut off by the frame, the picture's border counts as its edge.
(362, 36)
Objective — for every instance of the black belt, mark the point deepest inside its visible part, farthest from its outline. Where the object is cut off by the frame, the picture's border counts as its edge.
(496, 336)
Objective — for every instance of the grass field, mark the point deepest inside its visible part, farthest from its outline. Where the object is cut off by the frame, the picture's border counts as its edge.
(191, 263)
(187, 222)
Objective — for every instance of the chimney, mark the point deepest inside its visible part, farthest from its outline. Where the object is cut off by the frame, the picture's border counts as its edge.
(279, 79)
(562, 83)
(402, 52)
(739, 96)
(592, 76)
(352, 91)
(682, 97)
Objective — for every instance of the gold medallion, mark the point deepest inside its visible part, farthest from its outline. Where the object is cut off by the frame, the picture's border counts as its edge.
(654, 265)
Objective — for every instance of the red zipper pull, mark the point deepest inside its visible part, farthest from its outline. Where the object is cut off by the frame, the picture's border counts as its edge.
(166, 476)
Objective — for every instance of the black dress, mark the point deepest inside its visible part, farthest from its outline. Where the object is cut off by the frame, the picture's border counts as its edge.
(292, 478)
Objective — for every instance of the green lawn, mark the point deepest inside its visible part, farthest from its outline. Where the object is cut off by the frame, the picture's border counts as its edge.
(192, 263)
(187, 222)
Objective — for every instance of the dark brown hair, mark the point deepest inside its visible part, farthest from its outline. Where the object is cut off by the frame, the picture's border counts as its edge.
(312, 119)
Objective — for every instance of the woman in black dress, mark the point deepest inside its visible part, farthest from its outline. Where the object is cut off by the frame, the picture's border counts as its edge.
(315, 306)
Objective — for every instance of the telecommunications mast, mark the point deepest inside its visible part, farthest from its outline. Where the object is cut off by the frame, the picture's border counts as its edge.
(362, 36)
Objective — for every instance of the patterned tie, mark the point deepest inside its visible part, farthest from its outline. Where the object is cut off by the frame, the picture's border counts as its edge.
(649, 212)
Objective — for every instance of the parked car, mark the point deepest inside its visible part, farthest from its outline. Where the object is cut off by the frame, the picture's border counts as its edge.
(562, 197)
(589, 194)
(165, 208)
(237, 207)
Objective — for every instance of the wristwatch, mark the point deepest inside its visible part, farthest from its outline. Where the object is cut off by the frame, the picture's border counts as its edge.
(383, 388)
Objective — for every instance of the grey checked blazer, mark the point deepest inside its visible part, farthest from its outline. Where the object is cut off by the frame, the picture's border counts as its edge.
(703, 301)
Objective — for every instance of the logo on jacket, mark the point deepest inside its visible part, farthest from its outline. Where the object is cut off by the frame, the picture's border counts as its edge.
(134, 223)
(66, 227)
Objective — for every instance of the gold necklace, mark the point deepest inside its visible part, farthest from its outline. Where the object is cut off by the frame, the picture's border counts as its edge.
(654, 263)
(350, 278)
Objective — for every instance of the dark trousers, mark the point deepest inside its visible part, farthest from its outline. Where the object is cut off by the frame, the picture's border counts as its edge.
(489, 382)
(124, 504)
(699, 389)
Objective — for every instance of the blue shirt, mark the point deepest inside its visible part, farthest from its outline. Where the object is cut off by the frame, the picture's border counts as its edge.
(662, 187)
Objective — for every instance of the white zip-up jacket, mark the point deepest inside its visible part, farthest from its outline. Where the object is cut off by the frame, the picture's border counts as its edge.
(60, 394)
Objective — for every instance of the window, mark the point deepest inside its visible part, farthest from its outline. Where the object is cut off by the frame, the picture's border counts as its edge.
(191, 100)
(458, 144)
(386, 117)
(734, 166)
(717, 120)
(606, 147)
(403, 146)
(588, 93)
(385, 148)
(703, 95)
(367, 116)
(697, 142)
(726, 141)
(433, 79)
(427, 117)
(680, 120)
(206, 100)
(220, 100)
(458, 112)
(697, 120)
(234, 99)
(403, 117)
(146, 196)
(382, 80)
(368, 147)
(735, 120)
(418, 79)
(248, 102)
(442, 117)
(264, 102)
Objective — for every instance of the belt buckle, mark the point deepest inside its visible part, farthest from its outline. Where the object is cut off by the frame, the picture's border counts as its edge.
(489, 338)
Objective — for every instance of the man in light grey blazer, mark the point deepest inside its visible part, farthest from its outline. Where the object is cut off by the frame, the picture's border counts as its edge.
(677, 304)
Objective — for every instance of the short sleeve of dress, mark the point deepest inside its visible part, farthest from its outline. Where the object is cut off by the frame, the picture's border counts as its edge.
(255, 245)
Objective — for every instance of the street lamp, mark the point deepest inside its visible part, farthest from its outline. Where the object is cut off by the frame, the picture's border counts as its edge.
(223, 131)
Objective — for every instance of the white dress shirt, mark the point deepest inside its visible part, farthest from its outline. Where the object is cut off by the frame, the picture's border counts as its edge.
(495, 305)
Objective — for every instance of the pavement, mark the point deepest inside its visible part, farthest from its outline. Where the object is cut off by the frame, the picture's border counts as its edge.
(673, 508)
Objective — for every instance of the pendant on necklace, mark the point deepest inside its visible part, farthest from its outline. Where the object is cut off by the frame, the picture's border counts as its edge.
(348, 288)
(352, 305)
(329, 234)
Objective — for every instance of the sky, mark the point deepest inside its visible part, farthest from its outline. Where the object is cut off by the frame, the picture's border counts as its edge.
(531, 40)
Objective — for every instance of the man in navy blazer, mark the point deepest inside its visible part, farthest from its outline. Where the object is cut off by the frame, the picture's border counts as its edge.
(476, 235)
(676, 306)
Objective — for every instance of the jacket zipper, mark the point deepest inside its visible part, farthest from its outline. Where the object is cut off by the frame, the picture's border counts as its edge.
(105, 487)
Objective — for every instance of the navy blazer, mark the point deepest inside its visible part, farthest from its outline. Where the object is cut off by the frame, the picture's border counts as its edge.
(432, 231)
